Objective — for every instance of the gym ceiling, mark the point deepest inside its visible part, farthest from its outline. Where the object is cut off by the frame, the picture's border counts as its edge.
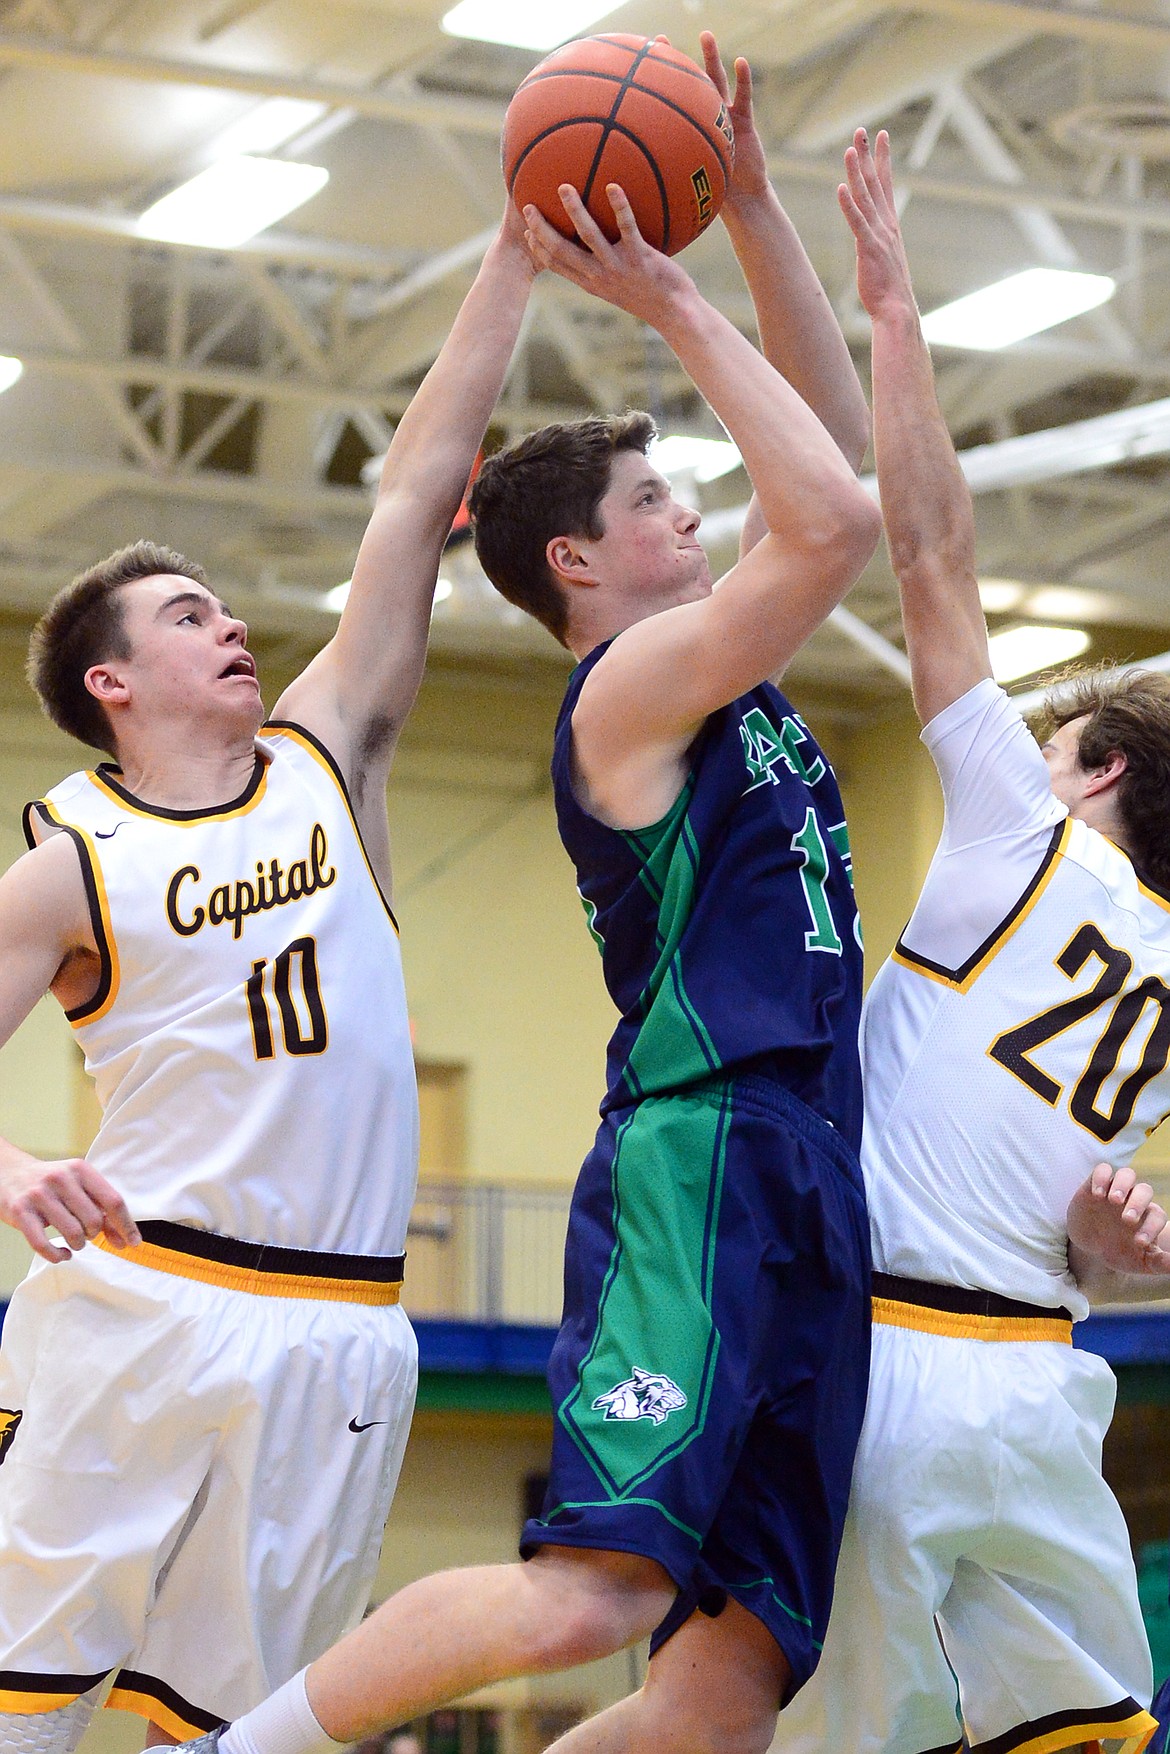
(226, 401)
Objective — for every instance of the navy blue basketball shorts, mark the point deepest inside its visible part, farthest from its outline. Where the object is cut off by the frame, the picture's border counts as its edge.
(709, 1377)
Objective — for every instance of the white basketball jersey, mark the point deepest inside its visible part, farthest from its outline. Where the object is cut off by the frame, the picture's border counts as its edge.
(249, 1037)
(1019, 1033)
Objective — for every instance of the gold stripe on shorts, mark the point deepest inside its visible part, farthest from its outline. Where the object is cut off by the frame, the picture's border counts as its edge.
(955, 1326)
(155, 1711)
(1075, 1729)
(32, 1704)
(258, 1282)
(958, 1312)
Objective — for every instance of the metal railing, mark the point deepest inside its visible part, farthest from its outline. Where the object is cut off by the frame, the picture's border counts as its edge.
(483, 1253)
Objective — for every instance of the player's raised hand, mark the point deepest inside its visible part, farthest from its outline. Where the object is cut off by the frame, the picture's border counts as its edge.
(513, 236)
(1115, 1217)
(67, 1195)
(867, 201)
(749, 178)
(629, 273)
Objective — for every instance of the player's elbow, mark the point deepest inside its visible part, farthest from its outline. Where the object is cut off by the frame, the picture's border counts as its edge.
(840, 543)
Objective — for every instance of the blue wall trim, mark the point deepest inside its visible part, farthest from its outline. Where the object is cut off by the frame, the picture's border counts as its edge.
(1131, 1336)
(502, 1348)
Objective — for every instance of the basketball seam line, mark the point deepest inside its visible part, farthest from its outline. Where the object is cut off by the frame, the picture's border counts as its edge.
(606, 131)
(714, 139)
(628, 134)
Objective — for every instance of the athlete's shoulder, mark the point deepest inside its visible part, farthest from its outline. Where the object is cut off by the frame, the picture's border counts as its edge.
(1127, 887)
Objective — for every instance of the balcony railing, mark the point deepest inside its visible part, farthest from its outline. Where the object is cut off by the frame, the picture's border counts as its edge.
(478, 1252)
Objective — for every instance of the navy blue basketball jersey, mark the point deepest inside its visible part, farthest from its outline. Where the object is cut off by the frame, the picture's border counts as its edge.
(728, 931)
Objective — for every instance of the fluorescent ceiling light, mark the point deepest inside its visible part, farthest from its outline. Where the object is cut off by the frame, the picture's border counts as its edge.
(231, 201)
(1023, 304)
(525, 24)
(338, 597)
(1023, 650)
(998, 596)
(10, 370)
(267, 126)
(705, 459)
(1069, 603)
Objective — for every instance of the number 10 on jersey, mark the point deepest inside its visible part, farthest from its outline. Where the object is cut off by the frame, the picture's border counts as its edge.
(292, 981)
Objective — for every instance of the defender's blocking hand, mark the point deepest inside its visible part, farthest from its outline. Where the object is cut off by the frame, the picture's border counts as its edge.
(1115, 1217)
(749, 177)
(867, 201)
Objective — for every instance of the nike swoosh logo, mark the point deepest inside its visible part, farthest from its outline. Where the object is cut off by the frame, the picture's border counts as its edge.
(354, 1426)
(98, 835)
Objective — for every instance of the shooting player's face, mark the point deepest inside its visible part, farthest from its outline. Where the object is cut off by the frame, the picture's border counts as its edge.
(188, 656)
(651, 541)
(1066, 776)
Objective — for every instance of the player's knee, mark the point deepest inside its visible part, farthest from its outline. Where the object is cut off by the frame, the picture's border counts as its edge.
(590, 1627)
(707, 1726)
(598, 1603)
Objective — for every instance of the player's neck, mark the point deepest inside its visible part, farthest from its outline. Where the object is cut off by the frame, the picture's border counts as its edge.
(604, 622)
(1101, 813)
(175, 778)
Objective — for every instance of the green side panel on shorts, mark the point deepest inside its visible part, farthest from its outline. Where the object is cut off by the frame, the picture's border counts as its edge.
(673, 1046)
(655, 1307)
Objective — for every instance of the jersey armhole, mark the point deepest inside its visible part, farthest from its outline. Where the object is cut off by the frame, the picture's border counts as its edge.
(324, 758)
(97, 903)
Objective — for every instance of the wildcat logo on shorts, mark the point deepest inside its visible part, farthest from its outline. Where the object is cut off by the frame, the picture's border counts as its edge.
(9, 1420)
(644, 1395)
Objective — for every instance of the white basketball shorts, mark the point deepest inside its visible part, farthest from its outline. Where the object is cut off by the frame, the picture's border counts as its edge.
(194, 1477)
(986, 1586)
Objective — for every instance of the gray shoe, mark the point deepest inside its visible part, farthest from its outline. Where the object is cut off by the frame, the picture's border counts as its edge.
(202, 1744)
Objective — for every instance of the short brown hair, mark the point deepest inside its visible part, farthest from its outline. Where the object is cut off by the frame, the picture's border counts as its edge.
(548, 484)
(1128, 712)
(84, 625)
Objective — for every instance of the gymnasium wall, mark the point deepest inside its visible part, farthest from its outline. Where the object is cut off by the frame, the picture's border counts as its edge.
(503, 978)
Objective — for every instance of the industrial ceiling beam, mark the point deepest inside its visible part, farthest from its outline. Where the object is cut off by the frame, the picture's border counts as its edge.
(388, 103)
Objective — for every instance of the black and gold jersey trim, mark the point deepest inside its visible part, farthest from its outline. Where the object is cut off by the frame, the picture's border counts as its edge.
(1124, 1722)
(107, 778)
(958, 1312)
(156, 1701)
(962, 977)
(263, 1269)
(99, 910)
(288, 728)
(23, 1692)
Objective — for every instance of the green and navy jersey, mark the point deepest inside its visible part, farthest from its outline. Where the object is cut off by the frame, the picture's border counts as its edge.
(728, 930)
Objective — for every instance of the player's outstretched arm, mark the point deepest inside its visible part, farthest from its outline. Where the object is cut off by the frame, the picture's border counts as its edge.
(43, 928)
(643, 704)
(357, 693)
(930, 526)
(1118, 1238)
(799, 331)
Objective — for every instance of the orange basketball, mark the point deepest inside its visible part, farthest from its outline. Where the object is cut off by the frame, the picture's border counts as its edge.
(621, 109)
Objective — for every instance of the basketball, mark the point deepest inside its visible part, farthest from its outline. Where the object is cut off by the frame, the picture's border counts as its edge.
(621, 109)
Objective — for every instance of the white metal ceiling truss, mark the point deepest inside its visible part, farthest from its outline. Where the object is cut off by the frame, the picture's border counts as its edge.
(227, 401)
